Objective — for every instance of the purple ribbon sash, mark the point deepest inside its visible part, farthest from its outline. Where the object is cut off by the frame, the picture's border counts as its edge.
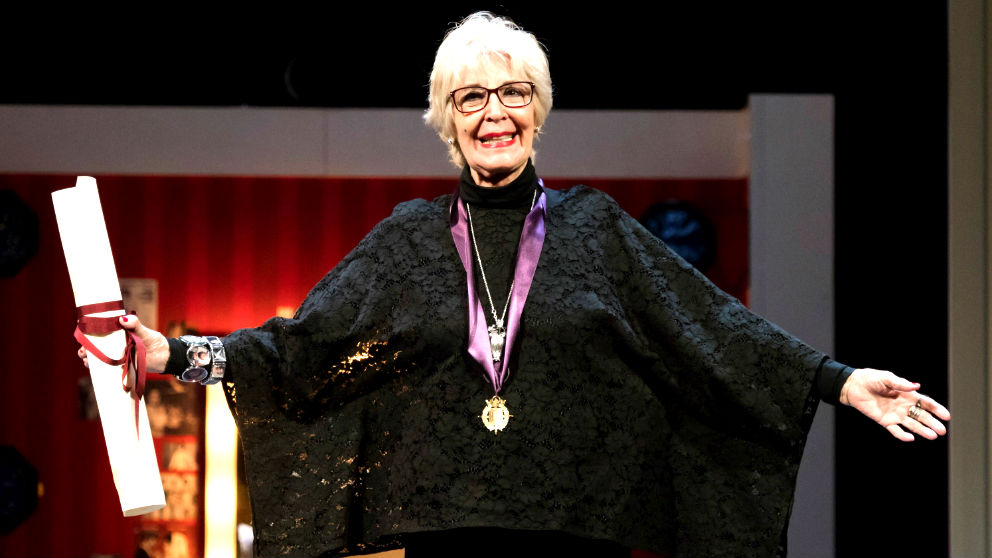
(528, 254)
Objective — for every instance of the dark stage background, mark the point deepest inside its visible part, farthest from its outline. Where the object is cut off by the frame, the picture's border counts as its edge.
(886, 67)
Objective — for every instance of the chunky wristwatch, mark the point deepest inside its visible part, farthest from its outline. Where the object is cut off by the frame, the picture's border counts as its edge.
(206, 359)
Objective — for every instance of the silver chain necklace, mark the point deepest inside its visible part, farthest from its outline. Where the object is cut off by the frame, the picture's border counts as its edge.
(497, 332)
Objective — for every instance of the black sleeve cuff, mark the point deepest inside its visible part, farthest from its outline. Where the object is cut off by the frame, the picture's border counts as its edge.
(177, 357)
(830, 379)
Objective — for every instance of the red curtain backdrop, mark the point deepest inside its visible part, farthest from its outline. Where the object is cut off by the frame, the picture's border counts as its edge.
(227, 252)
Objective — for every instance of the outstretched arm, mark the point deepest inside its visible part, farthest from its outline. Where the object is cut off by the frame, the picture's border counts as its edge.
(895, 403)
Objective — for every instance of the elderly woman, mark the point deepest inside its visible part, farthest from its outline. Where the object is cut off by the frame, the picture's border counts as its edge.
(634, 404)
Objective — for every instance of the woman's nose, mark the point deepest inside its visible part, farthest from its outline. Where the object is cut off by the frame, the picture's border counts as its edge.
(494, 109)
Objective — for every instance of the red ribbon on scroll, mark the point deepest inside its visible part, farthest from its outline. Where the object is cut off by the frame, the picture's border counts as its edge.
(134, 351)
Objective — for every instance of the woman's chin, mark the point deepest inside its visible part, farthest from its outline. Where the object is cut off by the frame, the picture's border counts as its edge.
(498, 175)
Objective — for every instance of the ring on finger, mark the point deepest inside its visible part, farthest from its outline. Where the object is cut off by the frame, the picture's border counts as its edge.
(914, 411)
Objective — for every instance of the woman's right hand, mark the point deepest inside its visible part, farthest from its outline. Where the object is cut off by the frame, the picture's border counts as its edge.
(156, 345)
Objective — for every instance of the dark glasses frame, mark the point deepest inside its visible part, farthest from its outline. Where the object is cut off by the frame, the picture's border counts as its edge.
(489, 93)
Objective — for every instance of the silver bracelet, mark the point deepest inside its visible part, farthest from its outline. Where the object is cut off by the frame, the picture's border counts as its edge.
(218, 360)
(203, 354)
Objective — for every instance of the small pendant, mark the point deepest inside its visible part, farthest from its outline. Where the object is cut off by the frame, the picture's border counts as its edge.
(495, 416)
(497, 336)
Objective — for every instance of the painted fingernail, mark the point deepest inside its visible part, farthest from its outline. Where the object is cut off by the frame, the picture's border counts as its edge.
(124, 319)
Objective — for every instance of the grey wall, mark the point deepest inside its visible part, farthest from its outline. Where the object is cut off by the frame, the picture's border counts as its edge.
(792, 271)
(969, 271)
(353, 142)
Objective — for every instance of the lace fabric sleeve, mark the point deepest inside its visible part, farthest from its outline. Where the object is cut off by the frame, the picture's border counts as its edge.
(739, 394)
(730, 367)
(322, 355)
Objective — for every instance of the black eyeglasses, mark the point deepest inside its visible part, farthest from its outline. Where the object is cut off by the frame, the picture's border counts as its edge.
(515, 94)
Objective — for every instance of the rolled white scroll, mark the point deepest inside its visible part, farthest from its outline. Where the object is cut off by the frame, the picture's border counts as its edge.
(94, 280)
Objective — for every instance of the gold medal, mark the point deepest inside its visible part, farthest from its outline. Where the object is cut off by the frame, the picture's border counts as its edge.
(495, 416)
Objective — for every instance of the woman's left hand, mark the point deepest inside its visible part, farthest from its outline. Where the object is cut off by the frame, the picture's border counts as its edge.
(894, 403)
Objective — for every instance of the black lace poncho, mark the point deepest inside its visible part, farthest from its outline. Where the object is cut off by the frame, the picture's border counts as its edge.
(649, 408)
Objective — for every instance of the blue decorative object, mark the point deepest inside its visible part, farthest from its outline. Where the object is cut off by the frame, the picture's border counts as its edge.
(684, 229)
(18, 489)
(18, 233)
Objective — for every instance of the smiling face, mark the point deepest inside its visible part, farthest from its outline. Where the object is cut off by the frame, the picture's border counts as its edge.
(496, 141)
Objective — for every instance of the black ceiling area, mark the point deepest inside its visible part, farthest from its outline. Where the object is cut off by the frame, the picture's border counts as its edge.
(885, 65)
(662, 58)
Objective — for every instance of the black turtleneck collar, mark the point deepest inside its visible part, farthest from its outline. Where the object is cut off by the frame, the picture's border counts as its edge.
(518, 193)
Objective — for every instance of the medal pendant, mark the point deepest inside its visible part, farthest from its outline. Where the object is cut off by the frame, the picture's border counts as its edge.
(495, 416)
(497, 336)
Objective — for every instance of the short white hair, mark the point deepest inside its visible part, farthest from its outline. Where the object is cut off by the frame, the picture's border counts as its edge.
(483, 40)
